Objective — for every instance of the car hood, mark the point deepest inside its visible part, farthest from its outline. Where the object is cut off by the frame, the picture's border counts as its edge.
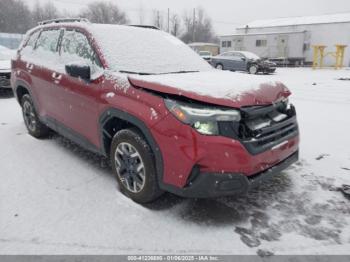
(216, 87)
(5, 65)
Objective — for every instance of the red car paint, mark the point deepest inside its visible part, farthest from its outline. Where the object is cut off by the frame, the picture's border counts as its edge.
(78, 105)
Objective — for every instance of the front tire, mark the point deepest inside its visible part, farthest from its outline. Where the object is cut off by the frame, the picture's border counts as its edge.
(253, 70)
(132, 162)
(34, 126)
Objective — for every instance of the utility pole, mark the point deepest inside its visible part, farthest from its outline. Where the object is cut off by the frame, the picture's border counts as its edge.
(158, 19)
(168, 20)
(194, 24)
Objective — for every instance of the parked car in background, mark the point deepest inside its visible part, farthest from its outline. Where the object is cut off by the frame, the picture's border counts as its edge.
(170, 123)
(6, 55)
(243, 61)
(206, 55)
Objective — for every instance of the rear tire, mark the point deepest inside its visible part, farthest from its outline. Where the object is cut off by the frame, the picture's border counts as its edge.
(34, 126)
(134, 166)
(219, 67)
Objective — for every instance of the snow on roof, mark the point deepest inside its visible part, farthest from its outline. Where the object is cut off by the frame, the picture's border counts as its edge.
(266, 33)
(301, 20)
(137, 49)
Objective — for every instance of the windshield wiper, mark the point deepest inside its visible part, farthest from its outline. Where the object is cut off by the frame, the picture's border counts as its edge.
(143, 73)
(136, 73)
(179, 72)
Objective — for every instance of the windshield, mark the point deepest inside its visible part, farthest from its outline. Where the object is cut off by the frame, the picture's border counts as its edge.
(147, 51)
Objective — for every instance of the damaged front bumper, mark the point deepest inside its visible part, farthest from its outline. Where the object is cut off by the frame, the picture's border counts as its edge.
(208, 185)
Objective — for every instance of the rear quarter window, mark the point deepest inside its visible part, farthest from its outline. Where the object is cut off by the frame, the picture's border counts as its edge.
(30, 43)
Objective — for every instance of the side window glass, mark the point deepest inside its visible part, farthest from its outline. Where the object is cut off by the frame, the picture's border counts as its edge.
(29, 46)
(48, 41)
(75, 47)
(32, 40)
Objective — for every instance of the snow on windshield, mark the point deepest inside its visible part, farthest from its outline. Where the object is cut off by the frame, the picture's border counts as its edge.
(250, 55)
(134, 49)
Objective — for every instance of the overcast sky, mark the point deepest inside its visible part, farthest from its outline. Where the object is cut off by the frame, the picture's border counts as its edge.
(226, 14)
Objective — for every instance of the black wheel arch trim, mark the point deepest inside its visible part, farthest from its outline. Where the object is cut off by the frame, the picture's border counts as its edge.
(24, 84)
(110, 113)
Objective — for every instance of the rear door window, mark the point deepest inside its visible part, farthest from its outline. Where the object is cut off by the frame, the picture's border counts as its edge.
(48, 41)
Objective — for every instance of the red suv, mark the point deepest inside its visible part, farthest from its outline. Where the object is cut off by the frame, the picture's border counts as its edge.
(165, 118)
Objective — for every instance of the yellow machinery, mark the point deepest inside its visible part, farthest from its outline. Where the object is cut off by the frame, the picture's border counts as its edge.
(319, 55)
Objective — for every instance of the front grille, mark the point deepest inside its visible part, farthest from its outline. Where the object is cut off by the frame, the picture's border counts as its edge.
(264, 127)
(5, 79)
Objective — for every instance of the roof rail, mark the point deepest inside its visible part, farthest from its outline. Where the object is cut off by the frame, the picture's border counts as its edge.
(63, 20)
(146, 26)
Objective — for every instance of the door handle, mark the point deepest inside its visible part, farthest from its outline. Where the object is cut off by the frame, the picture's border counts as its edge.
(29, 66)
(56, 77)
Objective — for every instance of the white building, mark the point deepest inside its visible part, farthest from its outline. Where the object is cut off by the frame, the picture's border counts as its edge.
(292, 38)
(210, 47)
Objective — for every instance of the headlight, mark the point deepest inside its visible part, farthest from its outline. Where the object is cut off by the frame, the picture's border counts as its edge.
(204, 120)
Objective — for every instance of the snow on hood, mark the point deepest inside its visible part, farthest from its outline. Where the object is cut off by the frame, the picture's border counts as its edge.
(7, 54)
(5, 58)
(5, 65)
(216, 87)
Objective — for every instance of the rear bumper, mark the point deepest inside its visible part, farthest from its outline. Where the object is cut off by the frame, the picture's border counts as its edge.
(208, 185)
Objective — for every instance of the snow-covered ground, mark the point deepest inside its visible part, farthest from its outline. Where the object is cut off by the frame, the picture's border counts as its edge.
(56, 198)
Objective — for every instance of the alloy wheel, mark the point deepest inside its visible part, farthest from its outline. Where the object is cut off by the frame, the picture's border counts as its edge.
(220, 67)
(130, 167)
(29, 116)
(253, 70)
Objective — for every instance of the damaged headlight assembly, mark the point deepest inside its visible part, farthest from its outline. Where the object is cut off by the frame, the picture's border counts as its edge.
(203, 119)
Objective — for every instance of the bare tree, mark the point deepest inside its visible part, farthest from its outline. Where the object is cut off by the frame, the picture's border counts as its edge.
(104, 13)
(141, 12)
(188, 20)
(46, 12)
(198, 27)
(175, 24)
(158, 19)
(14, 16)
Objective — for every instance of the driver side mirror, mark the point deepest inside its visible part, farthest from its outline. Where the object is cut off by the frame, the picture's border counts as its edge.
(79, 71)
(243, 59)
